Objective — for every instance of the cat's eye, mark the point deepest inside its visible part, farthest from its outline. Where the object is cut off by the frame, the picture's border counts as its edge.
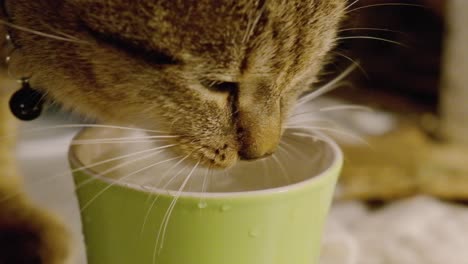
(218, 86)
(135, 49)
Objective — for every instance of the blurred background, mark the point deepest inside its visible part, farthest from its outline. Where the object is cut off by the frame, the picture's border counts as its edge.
(400, 53)
(412, 60)
(402, 196)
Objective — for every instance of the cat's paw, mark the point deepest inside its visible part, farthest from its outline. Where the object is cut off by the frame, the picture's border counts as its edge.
(30, 236)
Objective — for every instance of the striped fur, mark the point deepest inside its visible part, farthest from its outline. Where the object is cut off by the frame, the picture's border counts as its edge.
(223, 75)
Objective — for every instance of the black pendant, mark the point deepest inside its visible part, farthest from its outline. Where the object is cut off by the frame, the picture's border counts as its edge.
(26, 104)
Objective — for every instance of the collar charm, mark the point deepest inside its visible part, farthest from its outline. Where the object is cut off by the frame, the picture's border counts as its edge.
(26, 103)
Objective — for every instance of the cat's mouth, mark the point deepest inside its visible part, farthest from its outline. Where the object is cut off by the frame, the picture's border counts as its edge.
(216, 154)
(225, 151)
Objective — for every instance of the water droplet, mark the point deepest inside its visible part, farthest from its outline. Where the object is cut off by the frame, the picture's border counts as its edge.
(225, 208)
(254, 233)
(202, 205)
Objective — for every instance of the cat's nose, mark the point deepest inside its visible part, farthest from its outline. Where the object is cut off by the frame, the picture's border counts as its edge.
(258, 136)
(248, 155)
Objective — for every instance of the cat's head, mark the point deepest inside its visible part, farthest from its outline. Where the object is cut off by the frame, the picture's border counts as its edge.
(222, 75)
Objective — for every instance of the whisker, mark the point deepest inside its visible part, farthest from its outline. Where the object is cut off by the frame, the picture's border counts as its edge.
(205, 180)
(292, 148)
(46, 128)
(285, 151)
(123, 164)
(332, 130)
(70, 126)
(155, 199)
(125, 138)
(202, 203)
(42, 34)
(179, 192)
(89, 202)
(68, 172)
(385, 4)
(351, 5)
(79, 143)
(283, 170)
(311, 134)
(295, 149)
(371, 29)
(316, 137)
(266, 177)
(210, 180)
(312, 120)
(166, 173)
(123, 157)
(375, 38)
(58, 32)
(121, 140)
(294, 118)
(311, 112)
(346, 107)
(104, 126)
(327, 87)
(163, 228)
(226, 173)
(354, 62)
(66, 35)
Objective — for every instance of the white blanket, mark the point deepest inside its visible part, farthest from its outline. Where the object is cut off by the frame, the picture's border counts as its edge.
(419, 230)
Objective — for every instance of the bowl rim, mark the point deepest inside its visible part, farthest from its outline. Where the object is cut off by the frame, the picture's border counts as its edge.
(335, 164)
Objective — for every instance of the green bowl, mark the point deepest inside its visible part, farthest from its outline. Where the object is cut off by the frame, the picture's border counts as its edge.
(242, 221)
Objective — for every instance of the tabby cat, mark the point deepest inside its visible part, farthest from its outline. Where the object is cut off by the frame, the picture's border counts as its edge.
(224, 74)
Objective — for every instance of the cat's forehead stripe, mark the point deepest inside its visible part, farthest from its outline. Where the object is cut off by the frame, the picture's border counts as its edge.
(286, 49)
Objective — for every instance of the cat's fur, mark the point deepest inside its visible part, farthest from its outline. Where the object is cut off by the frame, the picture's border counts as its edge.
(222, 75)
(27, 234)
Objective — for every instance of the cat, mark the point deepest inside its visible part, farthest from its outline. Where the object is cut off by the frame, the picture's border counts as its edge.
(222, 75)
